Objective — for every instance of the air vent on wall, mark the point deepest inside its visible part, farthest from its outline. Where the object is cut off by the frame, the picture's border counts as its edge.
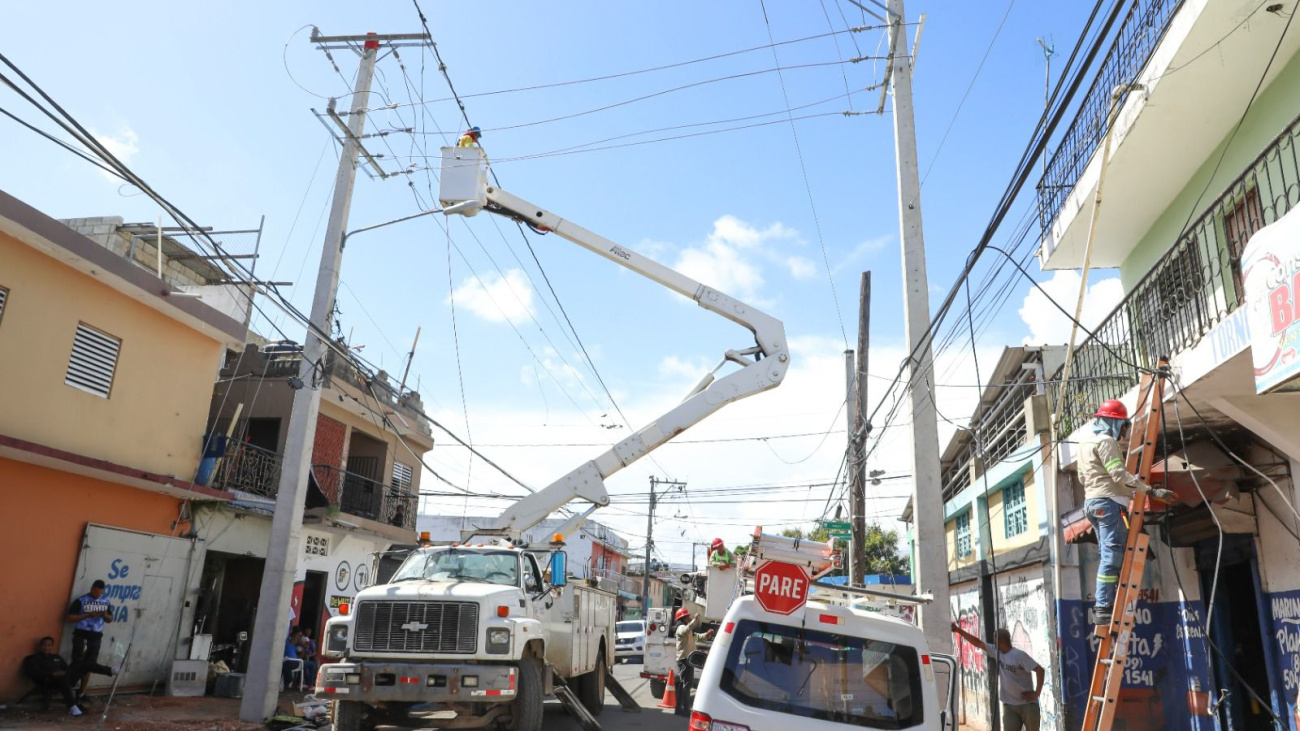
(93, 361)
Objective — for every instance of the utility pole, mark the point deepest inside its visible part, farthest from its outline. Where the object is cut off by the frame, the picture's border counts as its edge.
(927, 491)
(271, 624)
(649, 538)
(855, 456)
(858, 434)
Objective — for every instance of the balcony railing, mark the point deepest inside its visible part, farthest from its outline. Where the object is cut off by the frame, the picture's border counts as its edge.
(1191, 289)
(622, 581)
(1139, 34)
(366, 498)
(1000, 430)
(250, 469)
(380, 388)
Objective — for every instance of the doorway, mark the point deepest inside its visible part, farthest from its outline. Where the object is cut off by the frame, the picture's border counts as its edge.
(264, 433)
(313, 603)
(1236, 631)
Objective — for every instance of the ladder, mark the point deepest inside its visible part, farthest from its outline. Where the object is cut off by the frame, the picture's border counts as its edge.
(1112, 652)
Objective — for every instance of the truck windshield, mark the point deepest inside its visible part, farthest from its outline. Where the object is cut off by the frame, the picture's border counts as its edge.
(826, 676)
(495, 567)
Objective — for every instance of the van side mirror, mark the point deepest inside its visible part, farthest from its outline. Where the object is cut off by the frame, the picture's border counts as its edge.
(559, 569)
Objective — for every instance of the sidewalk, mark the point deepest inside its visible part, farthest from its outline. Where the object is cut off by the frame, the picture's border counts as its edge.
(138, 712)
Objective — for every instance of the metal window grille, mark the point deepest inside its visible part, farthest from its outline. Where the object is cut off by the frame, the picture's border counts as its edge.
(93, 361)
(963, 534)
(1015, 510)
(4, 295)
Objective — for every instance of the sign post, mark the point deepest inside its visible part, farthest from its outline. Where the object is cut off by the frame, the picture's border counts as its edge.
(781, 588)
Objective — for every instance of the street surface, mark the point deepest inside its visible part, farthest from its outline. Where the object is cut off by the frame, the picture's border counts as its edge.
(615, 718)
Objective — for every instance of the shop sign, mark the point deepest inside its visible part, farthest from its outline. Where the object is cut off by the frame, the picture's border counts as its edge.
(1270, 270)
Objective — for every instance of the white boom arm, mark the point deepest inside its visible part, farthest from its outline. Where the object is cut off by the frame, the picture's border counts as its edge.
(464, 185)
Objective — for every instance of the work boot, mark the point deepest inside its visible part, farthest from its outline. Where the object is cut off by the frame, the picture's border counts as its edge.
(1101, 616)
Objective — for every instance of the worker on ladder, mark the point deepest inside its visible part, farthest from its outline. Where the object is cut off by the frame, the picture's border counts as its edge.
(1108, 488)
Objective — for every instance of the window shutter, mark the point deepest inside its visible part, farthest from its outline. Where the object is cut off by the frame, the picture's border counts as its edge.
(4, 295)
(403, 476)
(93, 361)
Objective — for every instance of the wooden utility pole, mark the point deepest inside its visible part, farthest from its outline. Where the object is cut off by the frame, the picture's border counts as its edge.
(858, 441)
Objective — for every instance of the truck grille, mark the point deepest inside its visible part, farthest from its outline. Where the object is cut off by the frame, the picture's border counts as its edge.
(417, 626)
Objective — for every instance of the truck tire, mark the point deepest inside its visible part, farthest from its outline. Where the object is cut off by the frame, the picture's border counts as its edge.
(657, 688)
(526, 710)
(591, 687)
(351, 716)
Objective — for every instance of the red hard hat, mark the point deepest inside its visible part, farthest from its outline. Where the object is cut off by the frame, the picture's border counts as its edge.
(1113, 409)
(682, 613)
(717, 543)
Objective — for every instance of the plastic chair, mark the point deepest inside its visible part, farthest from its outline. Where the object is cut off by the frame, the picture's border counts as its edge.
(296, 671)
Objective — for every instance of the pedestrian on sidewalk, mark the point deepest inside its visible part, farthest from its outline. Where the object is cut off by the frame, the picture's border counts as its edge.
(88, 613)
(686, 637)
(1108, 488)
(50, 672)
(1019, 695)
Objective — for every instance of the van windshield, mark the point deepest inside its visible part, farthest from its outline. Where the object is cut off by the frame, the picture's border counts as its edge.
(826, 676)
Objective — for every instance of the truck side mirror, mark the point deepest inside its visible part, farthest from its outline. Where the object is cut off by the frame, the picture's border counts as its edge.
(559, 569)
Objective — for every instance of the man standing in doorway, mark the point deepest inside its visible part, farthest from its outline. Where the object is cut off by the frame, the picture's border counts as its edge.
(88, 614)
(686, 638)
(1108, 488)
(1019, 695)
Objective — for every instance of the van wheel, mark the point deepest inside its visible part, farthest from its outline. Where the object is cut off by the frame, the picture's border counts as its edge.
(352, 716)
(591, 690)
(657, 688)
(526, 710)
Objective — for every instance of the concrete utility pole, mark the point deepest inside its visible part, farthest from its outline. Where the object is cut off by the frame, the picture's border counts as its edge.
(927, 489)
(858, 435)
(649, 539)
(271, 626)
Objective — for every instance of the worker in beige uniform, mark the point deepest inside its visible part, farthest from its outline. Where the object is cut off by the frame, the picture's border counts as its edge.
(1108, 488)
(686, 637)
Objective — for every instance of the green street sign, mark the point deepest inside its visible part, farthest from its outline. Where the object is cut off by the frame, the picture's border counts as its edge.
(841, 534)
(834, 525)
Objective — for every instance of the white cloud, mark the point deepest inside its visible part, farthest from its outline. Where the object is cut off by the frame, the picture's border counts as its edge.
(864, 250)
(731, 257)
(495, 298)
(1048, 325)
(124, 146)
(801, 267)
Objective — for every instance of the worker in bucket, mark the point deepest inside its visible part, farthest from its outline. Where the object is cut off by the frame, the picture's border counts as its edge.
(719, 555)
(1108, 488)
(470, 138)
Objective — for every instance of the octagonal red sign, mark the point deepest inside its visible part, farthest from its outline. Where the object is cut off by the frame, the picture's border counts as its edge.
(781, 588)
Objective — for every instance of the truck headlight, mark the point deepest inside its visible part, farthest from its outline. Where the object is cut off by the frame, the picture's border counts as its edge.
(336, 642)
(498, 640)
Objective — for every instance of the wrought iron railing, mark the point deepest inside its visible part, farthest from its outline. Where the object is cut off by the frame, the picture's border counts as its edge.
(380, 388)
(250, 469)
(1138, 35)
(1191, 289)
(366, 498)
(622, 581)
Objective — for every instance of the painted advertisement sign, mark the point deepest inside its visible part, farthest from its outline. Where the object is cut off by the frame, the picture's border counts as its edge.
(1167, 662)
(1284, 611)
(1270, 271)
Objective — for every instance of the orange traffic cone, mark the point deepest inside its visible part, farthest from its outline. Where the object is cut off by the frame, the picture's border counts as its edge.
(670, 692)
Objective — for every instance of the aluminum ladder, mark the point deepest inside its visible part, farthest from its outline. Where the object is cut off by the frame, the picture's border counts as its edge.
(1112, 652)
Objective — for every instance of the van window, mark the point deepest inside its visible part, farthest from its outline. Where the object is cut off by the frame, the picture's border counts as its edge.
(826, 676)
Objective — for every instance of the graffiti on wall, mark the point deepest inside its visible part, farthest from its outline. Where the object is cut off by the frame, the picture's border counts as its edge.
(973, 667)
(1022, 596)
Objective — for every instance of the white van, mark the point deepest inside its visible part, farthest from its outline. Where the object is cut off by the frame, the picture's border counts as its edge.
(827, 667)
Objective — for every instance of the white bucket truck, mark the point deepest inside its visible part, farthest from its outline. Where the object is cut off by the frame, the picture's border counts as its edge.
(480, 632)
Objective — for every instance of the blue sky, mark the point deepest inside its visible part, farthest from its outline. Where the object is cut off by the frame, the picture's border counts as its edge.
(213, 109)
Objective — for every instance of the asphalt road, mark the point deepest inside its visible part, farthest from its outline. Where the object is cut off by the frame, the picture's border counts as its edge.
(614, 718)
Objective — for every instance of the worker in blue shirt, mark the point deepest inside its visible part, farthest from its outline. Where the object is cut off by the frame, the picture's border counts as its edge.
(291, 654)
(88, 613)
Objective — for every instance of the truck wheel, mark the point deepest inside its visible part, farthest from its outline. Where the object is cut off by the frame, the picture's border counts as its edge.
(591, 690)
(657, 688)
(526, 711)
(351, 716)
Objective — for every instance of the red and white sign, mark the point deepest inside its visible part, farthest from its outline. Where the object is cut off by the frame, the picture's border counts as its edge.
(781, 588)
(1270, 267)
